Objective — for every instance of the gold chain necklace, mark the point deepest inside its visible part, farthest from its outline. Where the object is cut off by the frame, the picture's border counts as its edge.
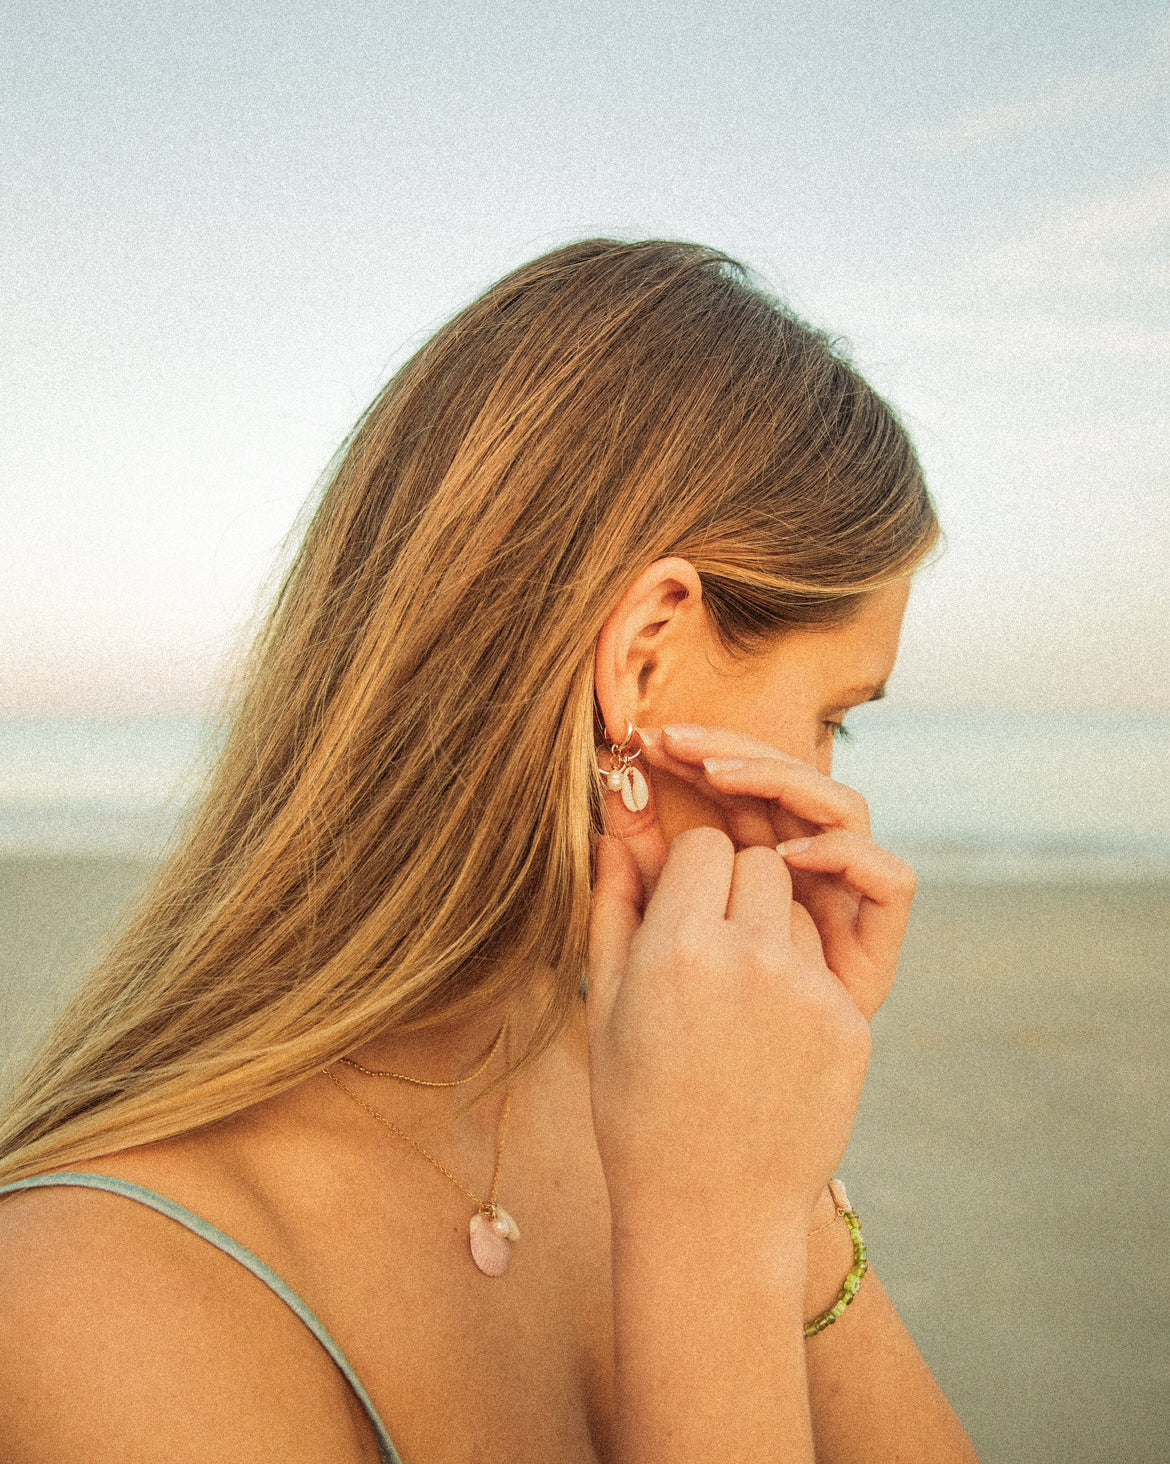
(492, 1231)
(425, 1082)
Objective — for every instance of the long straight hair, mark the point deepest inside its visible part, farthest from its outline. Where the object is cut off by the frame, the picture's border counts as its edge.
(397, 830)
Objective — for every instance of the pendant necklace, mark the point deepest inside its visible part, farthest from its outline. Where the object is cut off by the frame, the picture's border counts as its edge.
(492, 1231)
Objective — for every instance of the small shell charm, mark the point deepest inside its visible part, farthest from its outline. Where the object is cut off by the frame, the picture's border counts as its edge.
(635, 793)
(510, 1229)
(622, 777)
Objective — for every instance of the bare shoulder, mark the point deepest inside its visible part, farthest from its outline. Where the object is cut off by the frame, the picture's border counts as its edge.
(125, 1337)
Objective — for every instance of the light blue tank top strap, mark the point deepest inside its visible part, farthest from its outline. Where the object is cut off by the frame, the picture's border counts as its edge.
(238, 1253)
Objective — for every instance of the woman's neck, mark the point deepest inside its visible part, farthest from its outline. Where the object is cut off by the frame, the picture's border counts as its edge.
(446, 1053)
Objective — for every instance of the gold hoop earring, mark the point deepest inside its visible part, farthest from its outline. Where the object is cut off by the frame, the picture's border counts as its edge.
(622, 777)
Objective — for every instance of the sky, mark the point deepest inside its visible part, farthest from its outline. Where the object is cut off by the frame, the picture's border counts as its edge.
(224, 225)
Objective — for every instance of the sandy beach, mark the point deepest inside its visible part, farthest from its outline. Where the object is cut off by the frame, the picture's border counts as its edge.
(1009, 1163)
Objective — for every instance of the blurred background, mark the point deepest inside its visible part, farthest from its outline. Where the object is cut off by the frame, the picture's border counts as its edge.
(224, 225)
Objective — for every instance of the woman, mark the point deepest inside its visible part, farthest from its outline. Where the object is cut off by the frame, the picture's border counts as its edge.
(616, 550)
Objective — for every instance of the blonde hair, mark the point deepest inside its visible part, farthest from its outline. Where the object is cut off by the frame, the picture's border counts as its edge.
(398, 828)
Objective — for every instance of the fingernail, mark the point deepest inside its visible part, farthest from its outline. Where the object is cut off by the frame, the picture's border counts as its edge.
(685, 731)
(724, 764)
(650, 735)
(793, 846)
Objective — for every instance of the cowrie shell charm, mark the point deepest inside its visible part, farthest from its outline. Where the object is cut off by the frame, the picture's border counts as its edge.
(635, 793)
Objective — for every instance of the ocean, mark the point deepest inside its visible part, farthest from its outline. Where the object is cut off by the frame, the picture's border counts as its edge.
(985, 796)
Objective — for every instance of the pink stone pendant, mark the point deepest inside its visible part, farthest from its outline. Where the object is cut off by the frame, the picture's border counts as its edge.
(491, 1241)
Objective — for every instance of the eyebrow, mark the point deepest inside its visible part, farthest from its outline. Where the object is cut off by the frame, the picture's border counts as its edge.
(872, 691)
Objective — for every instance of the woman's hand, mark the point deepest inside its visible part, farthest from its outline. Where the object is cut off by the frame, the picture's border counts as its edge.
(728, 1044)
(857, 894)
(726, 1058)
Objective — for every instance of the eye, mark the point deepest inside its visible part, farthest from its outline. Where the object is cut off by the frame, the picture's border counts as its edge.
(838, 732)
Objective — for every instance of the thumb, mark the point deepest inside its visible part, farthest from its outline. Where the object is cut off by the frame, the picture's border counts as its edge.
(613, 922)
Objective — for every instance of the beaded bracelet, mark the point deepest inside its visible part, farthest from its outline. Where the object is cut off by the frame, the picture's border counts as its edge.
(852, 1280)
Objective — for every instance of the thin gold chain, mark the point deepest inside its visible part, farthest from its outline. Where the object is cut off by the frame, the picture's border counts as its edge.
(488, 1205)
(424, 1082)
(827, 1223)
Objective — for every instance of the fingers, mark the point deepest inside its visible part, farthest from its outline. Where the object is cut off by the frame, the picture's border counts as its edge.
(804, 933)
(761, 892)
(886, 881)
(615, 916)
(695, 882)
(736, 766)
(832, 892)
(875, 924)
(751, 822)
(797, 785)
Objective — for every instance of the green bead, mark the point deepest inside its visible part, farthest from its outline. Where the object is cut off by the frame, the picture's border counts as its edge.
(852, 1281)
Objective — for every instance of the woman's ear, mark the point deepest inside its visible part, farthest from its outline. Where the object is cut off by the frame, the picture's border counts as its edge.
(647, 638)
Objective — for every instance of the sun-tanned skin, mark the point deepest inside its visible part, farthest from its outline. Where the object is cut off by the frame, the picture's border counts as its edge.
(123, 1337)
